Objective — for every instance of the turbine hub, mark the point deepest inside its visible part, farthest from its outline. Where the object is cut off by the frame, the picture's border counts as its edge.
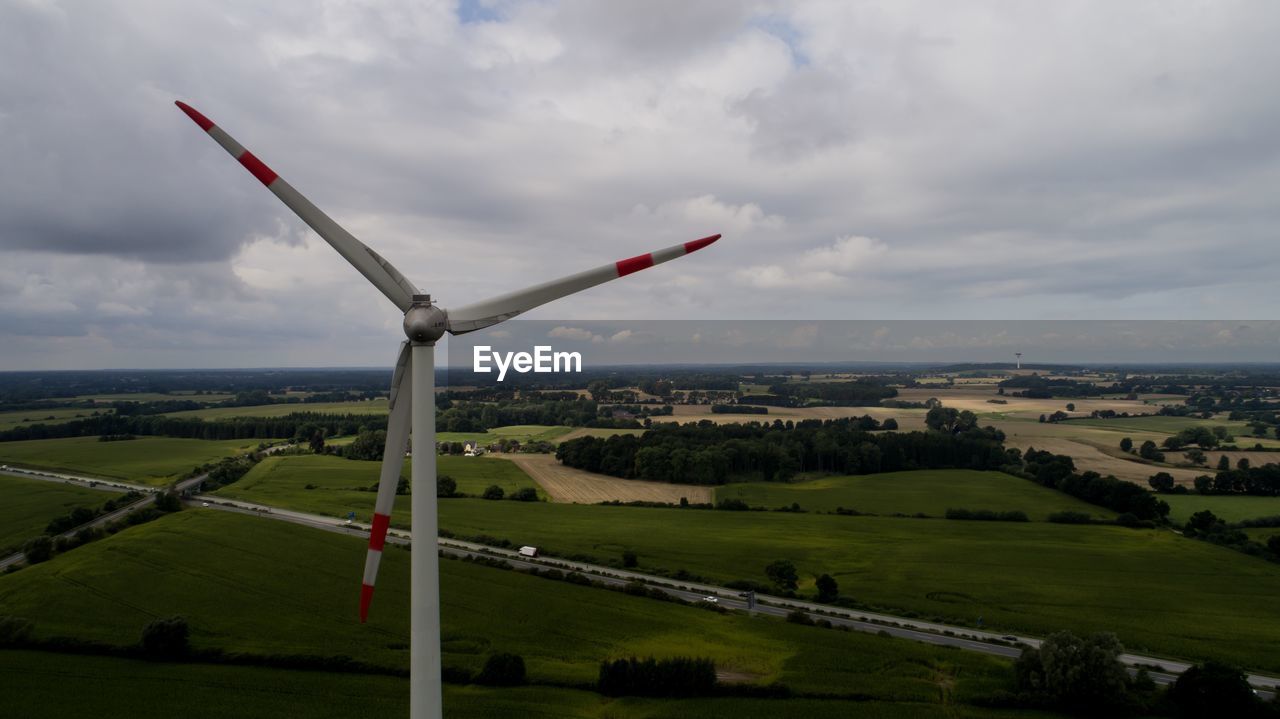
(424, 322)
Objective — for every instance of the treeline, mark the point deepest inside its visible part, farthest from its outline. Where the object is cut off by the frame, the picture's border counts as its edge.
(858, 393)
(1037, 387)
(285, 427)
(1057, 471)
(707, 453)
(738, 409)
(674, 677)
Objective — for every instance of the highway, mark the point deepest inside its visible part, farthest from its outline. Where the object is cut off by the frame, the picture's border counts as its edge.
(1161, 670)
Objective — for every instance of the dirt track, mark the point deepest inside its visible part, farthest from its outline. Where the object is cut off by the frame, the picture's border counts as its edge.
(574, 486)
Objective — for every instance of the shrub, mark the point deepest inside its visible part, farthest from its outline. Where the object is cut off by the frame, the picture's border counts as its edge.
(493, 491)
(166, 638)
(797, 616)
(1070, 517)
(675, 677)
(38, 549)
(524, 494)
(502, 670)
(446, 486)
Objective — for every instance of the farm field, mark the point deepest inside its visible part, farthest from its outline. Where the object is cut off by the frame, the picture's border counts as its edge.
(236, 579)
(336, 483)
(110, 688)
(1148, 586)
(372, 406)
(567, 484)
(1173, 425)
(28, 417)
(153, 397)
(145, 460)
(522, 433)
(27, 505)
(975, 399)
(1231, 509)
(932, 492)
(597, 432)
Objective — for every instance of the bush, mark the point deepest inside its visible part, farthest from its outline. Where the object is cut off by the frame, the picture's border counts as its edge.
(1075, 674)
(629, 559)
(493, 491)
(987, 515)
(166, 638)
(502, 670)
(1070, 518)
(1211, 690)
(675, 677)
(446, 486)
(524, 494)
(797, 616)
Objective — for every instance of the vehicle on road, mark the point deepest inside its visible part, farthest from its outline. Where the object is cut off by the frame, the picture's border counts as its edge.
(711, 599)
(1009, 638)
(527, 551)
(204, 504)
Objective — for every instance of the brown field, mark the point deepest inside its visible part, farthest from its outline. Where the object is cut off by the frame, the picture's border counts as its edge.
(1088, 457)
(574, 486)
(1256, 459)
(975, 399)
(595, 432)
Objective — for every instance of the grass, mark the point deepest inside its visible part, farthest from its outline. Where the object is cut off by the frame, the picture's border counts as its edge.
(523, 433)
(28, 417)
(1172, 425)
(932, 492)
(1229, 508)
(69, 685)
(256, 585)
(283, 481)
(1160, 592)
(373, 406)
(27, 505)
(146, 460)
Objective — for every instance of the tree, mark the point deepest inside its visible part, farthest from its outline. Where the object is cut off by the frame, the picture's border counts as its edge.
(1224, 463)
(493, 491)
(446, 486)
(1126, 445)
(783, 574)
(1071, 407)
(168, 502)
(502, 670)
(38, 549)
(1203, 484)
(890, 423)
(1073, 673)
(1202, 521)
(828, 590)
(1243, 463)
(1161, 482)
(1196, 456)
(166, 638)
(1211, 690)
(629, 559)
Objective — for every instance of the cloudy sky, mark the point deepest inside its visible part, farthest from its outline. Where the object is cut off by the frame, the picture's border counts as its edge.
(863, 160)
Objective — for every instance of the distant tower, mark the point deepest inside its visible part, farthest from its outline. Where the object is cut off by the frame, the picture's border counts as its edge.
(1019, 356)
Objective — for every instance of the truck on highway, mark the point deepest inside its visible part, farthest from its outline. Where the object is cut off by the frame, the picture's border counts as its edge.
(527, 551)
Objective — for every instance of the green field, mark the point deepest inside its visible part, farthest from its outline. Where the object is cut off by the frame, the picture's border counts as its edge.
(282, 482)
(27, 505)
(373, 406)
(1229, 508)
(62, 685)
(152, 397)
(522, 433)
(1151, 587)
(28, 417)
(145, 460)
(932, 492)
(255, 585)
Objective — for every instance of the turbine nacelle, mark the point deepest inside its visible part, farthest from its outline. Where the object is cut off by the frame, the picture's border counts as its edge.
(424, 322)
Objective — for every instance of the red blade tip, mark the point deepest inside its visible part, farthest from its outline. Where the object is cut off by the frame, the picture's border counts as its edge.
(204, 122)
(699, 244)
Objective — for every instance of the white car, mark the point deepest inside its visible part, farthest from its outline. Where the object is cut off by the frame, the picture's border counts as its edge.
(204, 504)
(711, 599)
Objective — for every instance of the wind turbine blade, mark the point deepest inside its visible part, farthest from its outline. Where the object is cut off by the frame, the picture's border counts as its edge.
(392, 461)
(492, 311)
(370, 264)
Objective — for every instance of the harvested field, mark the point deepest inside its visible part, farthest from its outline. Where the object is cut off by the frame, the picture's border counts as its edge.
(596, 432)
(1256, 459)
(975, 400)
(1089, 458)
(575, 486)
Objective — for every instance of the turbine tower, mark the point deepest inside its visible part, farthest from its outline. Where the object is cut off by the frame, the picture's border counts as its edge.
(412, 400)
(1019, 356)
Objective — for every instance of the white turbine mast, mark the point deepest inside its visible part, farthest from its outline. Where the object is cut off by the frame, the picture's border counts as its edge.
(1019, 356)
(412, 400)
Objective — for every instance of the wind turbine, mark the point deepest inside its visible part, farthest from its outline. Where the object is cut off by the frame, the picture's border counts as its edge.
(1019, 356)
(414, 376)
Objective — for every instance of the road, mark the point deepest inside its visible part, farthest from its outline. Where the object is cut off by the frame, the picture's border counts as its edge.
(1162, 670)
(148, 497)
